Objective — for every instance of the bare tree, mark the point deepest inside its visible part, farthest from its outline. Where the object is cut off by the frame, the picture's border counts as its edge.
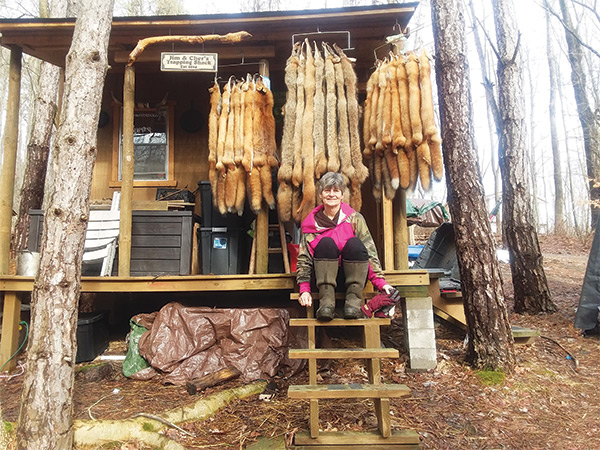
(559, 196)
(529, 279)
(490, 338)
(46, 416)
(38, 148)
(587, 114)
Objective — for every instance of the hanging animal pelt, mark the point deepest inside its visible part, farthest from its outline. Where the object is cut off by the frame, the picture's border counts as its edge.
(289, 116)
(323, 135)
(399, 125)
(242, 148)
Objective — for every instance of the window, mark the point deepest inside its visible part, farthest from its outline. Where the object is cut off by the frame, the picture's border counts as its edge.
(152, 146)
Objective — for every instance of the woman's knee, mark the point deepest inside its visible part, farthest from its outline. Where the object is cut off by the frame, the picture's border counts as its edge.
(355, 250)
(327, 249)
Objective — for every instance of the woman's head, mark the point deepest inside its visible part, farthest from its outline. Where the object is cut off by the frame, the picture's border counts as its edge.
(331, 180)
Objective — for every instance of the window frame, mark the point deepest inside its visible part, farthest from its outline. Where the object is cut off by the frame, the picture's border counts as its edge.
(116, 148)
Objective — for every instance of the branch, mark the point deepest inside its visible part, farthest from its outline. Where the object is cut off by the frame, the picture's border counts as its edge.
(487, 36)
(227, 38)
(572, 32)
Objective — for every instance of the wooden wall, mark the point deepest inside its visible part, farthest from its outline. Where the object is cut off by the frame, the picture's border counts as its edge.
(191, 153)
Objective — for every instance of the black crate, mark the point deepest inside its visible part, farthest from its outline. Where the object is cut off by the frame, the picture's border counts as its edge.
(223, 251)
(92, 335)
(211, 217)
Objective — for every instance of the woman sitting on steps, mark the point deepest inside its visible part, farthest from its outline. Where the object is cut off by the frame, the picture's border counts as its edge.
(336, 249)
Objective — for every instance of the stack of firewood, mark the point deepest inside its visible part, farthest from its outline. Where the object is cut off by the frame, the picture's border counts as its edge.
(241, 144)
(401, 141)
(320, 128)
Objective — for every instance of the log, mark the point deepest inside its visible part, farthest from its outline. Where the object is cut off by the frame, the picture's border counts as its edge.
(212, 379)
(227, 38)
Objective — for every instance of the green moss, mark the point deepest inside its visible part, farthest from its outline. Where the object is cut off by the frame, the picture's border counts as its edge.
(490, 377)
(8, 426)
(147, 426)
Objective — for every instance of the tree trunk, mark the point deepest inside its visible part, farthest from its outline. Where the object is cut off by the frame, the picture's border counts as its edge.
(529, 279)
(38, 148)
(559, 195)
(490, 338)
(46, 416)
(587, 117)
(493, 114)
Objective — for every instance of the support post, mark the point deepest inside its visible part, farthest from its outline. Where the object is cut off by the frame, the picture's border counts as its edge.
(9, 160)
(11, 316)
(400, 231)
(261, 231)
(388, 233)
(127, 166)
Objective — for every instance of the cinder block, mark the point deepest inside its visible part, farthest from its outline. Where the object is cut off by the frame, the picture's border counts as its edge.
(419, 318)
(423, 359)
(417, 303)
(421, 338)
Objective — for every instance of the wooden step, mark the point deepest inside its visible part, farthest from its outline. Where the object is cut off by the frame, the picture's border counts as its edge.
(338, 295)
(353, 390)
(343, 353)
(340, 322)
(348, 439)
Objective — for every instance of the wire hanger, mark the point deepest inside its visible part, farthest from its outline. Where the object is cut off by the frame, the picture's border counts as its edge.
(320, 33)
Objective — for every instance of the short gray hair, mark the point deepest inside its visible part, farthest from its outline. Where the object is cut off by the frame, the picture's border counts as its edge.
(329, 180)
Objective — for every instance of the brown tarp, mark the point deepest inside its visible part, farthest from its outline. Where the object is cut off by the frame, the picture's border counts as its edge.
(186, 342)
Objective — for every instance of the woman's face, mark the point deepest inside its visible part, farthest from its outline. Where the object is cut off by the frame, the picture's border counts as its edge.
(331, 197)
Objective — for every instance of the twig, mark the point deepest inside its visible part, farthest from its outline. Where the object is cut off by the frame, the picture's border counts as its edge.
(573, 358)
(163, 421)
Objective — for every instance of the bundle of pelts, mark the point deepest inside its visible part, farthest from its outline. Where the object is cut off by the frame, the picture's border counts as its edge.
(242, 152)
(401, 141)
(320, 128)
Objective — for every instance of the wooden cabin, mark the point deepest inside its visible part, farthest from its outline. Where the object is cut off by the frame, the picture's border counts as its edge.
(176, 104)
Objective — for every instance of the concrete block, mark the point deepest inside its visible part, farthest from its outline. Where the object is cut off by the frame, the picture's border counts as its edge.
(423, 359)
(421, 338)
(417, 303)
(419, 318)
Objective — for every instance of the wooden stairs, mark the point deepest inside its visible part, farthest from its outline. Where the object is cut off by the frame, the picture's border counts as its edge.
(381, 393)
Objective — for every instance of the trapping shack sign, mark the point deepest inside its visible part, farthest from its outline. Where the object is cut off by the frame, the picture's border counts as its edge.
(188, 62)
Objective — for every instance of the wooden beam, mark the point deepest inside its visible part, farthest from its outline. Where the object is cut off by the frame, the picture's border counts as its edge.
(172, 283)
(127, 166)
(348, 391)
(342, 353)
(11, 317)
(261, 230)
(9, 160)
(388, 233)
(400, 231)
(225, 53)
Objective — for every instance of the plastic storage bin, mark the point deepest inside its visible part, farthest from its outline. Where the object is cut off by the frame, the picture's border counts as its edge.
(222, 250)
(211, 217)
(92, 335)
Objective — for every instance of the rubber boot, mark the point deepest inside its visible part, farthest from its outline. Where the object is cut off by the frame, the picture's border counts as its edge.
(326, 271)
(356, 275)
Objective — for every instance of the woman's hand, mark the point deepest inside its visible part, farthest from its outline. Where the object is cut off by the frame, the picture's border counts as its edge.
(305, 299)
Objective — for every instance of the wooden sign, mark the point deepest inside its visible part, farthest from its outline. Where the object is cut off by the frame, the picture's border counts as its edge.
(188, 62)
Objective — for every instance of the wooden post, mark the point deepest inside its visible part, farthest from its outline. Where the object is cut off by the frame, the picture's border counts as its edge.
(11, 316)
(127, 165)
(400, 231)
(388, 233)
(261, 231)
(9, 161)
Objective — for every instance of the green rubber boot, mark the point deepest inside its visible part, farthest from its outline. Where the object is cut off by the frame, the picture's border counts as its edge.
(356, 276)
(326, 271)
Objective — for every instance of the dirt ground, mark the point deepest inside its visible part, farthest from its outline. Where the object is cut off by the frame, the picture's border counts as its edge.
(550, 402)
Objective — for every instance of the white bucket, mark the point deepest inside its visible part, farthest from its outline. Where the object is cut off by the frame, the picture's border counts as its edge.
(28, 263)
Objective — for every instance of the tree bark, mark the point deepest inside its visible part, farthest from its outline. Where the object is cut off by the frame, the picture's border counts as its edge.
(38, 148)
(529, 279)
(46, 416)
(587, 117)
(490, 338)
(559, 195)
